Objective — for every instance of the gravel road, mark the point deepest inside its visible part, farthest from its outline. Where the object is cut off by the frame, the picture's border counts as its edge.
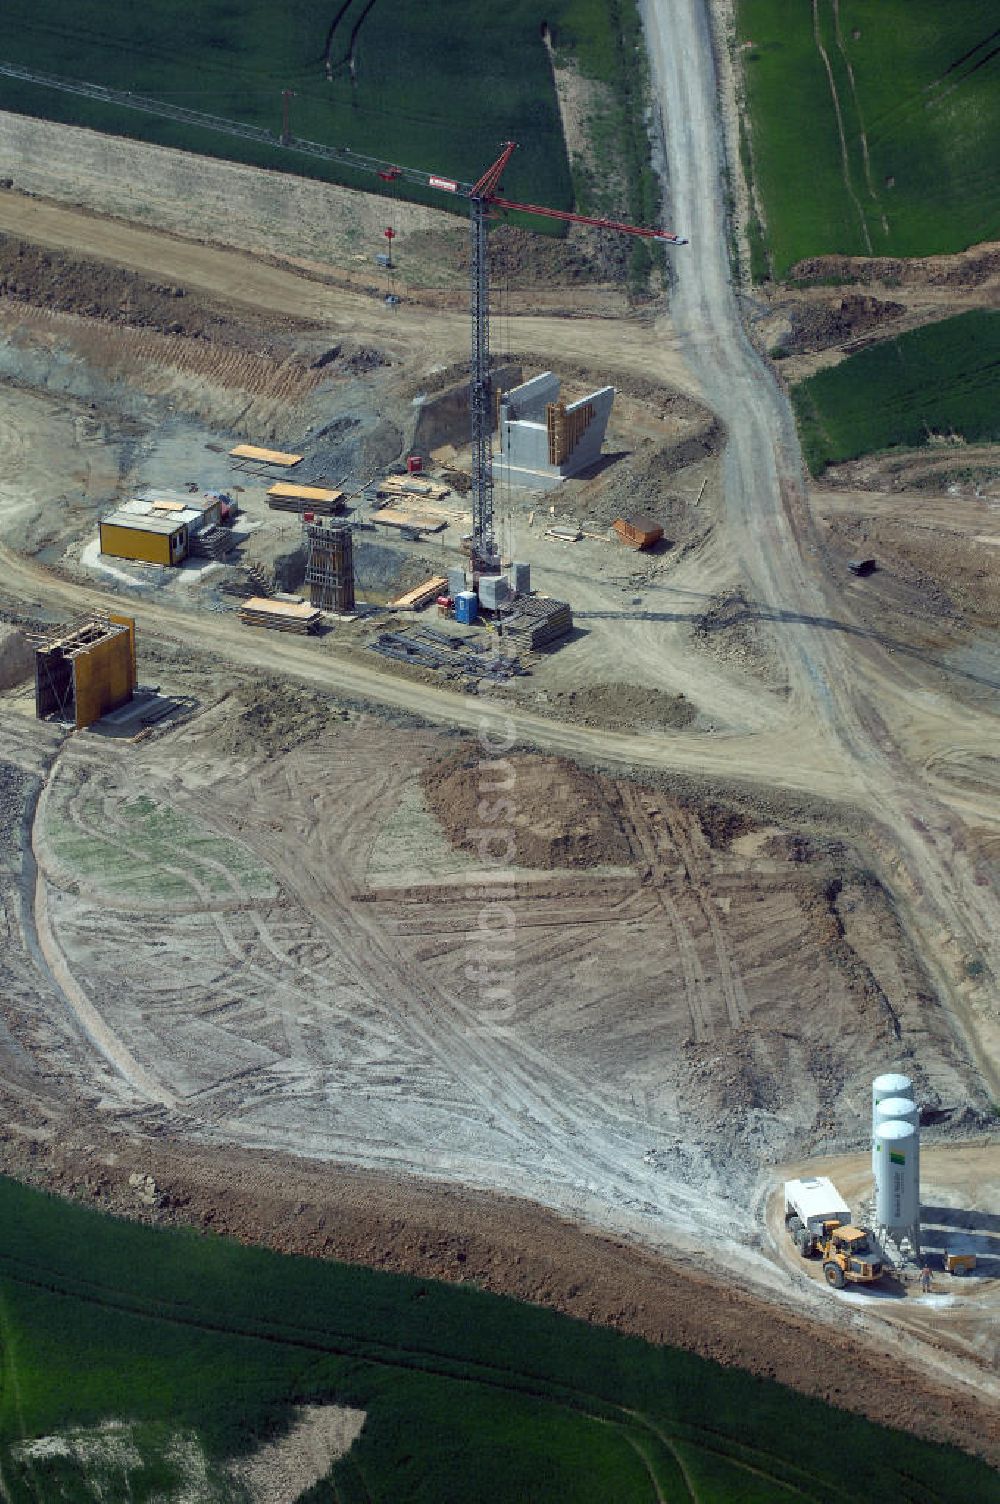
(846, 687)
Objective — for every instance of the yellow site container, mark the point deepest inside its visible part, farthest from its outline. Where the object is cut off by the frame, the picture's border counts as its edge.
(151, 540)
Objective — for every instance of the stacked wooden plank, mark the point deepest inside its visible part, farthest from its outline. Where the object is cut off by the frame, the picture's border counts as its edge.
(320, 500)
(411, 485)
(421, 595)
(407, 521)
(258, 456)
(279, 616)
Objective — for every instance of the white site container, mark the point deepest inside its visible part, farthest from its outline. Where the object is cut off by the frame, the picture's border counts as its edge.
(816, 1200)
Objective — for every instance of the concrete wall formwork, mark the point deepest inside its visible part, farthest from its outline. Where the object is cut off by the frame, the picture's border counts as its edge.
(543, 440)
(91, 670)
(103, 678)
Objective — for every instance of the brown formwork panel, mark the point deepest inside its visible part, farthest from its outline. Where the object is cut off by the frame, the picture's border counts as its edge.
(129, 622)
(103, 677)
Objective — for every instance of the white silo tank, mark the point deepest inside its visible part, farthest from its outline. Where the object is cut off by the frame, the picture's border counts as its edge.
(890, 1085)
(900, 1109)
(897, 1182)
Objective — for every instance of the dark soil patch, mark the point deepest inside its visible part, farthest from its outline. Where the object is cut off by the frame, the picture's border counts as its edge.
(539, 811)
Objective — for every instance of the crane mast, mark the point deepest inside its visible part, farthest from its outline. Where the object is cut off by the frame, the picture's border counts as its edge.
(485, 559)
(482, 198)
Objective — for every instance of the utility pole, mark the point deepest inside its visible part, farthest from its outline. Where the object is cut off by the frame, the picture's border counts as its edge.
(286, 134)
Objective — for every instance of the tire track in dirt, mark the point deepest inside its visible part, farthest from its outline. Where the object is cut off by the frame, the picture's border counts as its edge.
(569, 1128)
(93, 1025)
(644, 840)
(733, 989)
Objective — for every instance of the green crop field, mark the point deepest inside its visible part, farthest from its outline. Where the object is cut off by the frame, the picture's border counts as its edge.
(874, 124)
(438, 87)
(943, 379)
(467, 1396)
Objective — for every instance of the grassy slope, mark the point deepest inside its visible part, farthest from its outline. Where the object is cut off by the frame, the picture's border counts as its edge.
(438, 87)
(468, 1396)
(434, 86)
(944, 378)
(926, 96)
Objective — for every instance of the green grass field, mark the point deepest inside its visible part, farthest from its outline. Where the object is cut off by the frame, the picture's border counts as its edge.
(917, 86)
(943, 379)
(437, 86)
(468, 1397)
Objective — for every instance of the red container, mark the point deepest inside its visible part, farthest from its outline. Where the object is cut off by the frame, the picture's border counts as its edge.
(414, 464)
(308, 516)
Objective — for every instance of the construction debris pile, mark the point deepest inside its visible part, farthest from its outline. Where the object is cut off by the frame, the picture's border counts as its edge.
(214, 543)
(452, 657)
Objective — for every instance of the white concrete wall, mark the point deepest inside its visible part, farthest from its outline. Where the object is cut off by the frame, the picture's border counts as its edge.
(588, 450)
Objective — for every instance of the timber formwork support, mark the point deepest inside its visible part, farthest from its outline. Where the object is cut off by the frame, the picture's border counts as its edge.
(330, 567)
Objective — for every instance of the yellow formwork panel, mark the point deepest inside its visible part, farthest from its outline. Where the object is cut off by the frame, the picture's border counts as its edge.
(103, 677)
(135, 543)
(127, 621)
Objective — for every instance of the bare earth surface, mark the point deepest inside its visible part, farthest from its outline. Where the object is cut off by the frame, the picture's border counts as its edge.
(753, 831)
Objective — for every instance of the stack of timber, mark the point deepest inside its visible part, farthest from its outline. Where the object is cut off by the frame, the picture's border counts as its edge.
(534, 621)
(411, 522)
(279, 616)
(411, 485)
(252, 454)
(320, 500)
(213, 543)
(422, 594)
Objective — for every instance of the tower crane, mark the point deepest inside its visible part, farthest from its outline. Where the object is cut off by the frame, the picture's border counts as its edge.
(483, 197)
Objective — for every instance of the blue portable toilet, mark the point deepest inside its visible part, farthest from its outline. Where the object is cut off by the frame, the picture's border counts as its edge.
(466, 607)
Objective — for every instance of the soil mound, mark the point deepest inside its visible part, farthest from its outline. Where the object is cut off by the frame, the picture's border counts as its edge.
(621, 707)
(16, 657)
(539, 811)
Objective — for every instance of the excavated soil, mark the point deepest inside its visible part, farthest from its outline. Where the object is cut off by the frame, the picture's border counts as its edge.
(620, 707)
(979, 265)
(560, 816)
(826, 322)
(51, 279)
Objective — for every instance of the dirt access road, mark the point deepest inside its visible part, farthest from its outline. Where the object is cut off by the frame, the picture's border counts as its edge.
(828, 740)
(845, 685)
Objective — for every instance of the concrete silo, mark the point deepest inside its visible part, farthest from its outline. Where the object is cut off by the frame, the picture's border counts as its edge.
(897, 1184)
(898, 1109)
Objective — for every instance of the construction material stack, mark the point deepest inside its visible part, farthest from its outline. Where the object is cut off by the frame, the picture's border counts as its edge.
(279, 616)
(283, 496)
(214, 543)
(536, 620)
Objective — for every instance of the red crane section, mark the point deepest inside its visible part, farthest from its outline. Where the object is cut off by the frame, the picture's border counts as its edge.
(587, 219)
